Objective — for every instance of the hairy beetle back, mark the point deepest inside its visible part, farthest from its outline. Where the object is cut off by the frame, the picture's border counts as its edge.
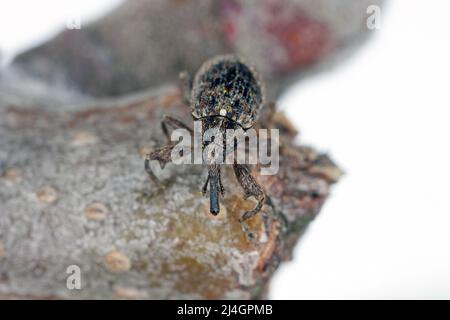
(227, 87)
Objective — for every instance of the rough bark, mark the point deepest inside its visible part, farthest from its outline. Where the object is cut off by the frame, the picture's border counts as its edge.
(73, 191)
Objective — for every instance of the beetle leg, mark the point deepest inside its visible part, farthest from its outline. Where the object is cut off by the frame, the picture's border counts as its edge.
(162, 155)
(175, 124)
(185, 86)
(251, 188)
(205, 186)
(266, 116)
(213, 176)
(221, 188)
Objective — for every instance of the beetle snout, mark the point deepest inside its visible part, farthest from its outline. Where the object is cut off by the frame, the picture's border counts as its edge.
(214, 211)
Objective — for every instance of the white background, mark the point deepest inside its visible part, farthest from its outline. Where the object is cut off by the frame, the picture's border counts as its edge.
(384, 117)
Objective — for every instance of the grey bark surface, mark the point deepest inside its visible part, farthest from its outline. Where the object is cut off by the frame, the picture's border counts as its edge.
(73, 191)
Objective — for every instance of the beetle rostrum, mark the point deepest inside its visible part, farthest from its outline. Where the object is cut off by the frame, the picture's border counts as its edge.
(226, 93)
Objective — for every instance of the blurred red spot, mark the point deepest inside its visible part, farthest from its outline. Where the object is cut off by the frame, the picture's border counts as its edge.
(230, 11)
(303, 39)
(291, 36)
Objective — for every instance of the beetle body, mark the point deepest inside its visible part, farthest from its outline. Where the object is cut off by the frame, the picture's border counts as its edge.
(227, 87)
(226, 94)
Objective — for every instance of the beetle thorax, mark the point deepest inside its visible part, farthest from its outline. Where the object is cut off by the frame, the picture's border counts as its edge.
(226, 87)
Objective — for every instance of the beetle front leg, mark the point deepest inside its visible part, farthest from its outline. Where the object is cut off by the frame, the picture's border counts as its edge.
(221, 188)
(205, 186)
(163, 155)
(175, 124)
(251, 189)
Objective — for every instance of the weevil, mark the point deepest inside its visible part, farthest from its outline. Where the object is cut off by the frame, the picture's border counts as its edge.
(226, 93)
